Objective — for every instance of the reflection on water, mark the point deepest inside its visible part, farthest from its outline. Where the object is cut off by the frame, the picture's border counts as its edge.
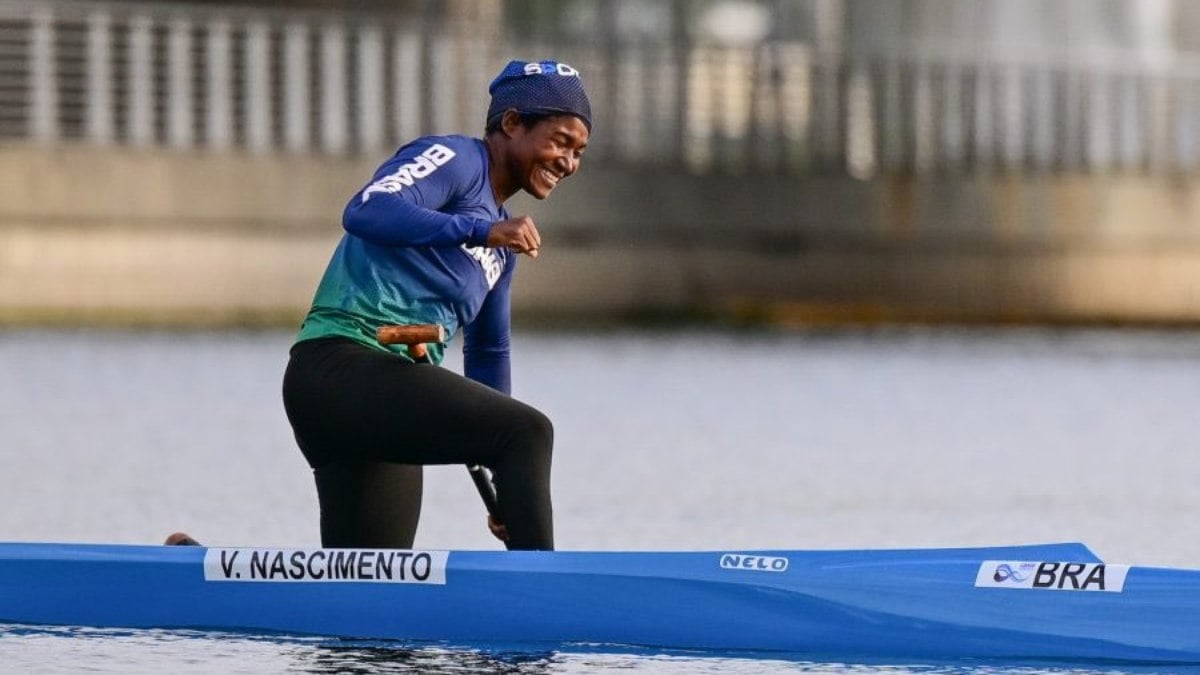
(330, 657)
(50, 649)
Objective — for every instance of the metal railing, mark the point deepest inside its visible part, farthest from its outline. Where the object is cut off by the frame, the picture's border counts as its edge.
(262, 81)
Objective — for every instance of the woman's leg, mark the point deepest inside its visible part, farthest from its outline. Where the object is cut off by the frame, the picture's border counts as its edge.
(369, 504)
(349, 403)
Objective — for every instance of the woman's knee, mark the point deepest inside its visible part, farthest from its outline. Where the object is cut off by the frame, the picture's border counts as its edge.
(536, 430)
(527, 444)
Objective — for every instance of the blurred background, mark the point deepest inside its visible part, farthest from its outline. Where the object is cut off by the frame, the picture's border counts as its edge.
(793, 161)
(856, 265)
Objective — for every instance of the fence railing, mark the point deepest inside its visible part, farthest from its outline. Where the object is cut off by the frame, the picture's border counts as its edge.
(229, 79)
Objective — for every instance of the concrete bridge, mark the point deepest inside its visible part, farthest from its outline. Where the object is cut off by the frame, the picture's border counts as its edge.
(119, 235)
(188, 163)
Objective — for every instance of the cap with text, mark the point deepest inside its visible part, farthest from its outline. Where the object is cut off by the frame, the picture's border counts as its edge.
(539, 88)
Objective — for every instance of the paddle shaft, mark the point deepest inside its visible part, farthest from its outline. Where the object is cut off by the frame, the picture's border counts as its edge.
(487, 492)
(415, 337)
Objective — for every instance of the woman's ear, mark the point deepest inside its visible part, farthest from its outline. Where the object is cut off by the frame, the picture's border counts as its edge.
(510, 121)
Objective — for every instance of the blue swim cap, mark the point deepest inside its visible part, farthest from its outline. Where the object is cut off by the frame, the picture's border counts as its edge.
(539, 87)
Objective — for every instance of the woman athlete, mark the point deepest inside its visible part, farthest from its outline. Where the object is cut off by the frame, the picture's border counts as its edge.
(428, 241)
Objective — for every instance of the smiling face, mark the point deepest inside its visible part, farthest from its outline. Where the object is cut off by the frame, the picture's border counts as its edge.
(537, 156)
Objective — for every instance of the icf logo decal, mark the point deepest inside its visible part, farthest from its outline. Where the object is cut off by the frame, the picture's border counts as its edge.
(1054, 576)
(1016, 573)
(754, 563)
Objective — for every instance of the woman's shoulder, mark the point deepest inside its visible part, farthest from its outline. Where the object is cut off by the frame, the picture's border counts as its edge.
(454, 158)
(455, 143)
(466, 155)
(440, 148)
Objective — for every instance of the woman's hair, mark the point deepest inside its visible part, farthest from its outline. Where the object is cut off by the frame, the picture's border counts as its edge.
(528, 120)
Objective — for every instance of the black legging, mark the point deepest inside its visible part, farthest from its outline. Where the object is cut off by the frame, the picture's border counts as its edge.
(367, 420)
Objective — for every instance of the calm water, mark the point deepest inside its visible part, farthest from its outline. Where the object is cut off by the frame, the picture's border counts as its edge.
(665, 440)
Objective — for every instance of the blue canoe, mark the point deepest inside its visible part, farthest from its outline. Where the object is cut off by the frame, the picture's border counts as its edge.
(1056, 601)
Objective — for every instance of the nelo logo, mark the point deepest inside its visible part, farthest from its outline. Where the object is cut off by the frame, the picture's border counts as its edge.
(754, 563)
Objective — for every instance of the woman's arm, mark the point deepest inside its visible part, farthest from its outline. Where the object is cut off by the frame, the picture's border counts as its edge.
(486, 340)
(399, 207)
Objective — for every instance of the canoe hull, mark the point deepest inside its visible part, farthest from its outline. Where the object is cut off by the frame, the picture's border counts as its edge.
(924, 603)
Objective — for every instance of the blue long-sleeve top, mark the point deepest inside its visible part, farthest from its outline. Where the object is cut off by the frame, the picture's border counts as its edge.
(414, 251)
